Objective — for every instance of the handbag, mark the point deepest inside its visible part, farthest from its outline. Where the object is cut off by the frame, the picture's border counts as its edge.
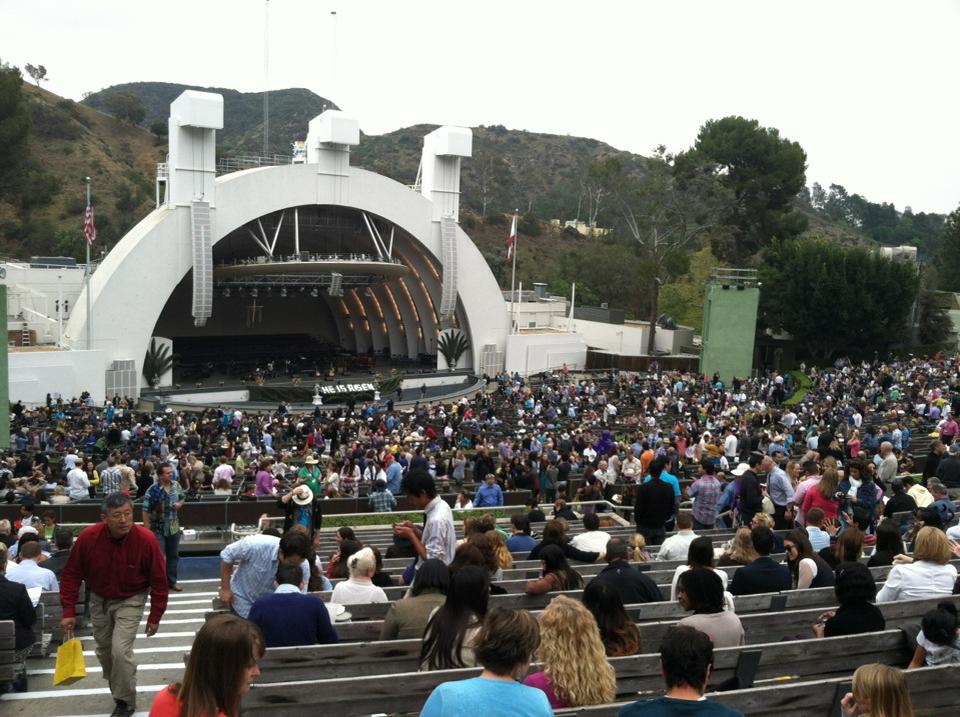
(768, 505)
(70, 666)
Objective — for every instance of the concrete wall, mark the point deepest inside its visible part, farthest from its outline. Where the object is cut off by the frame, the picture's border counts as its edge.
(531, 315)
(34, 374)
(35, 289)
(627, 339)
(533, 353)
(673, 341)
(209, 397)
(729, 331)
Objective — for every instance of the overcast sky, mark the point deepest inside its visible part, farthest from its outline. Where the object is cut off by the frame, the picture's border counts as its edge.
(868, 88)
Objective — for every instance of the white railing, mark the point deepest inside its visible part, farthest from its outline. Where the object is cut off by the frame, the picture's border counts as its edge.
(226, 165)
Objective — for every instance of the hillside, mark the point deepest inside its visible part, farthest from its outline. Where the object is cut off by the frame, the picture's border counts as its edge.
(70, 142)
(537, 173)
(540, 174)
(242, 133)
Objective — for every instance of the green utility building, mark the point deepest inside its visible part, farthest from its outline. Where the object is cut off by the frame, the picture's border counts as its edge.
(730, 323)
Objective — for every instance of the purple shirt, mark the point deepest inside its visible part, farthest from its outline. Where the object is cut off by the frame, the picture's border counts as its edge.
(264, 484)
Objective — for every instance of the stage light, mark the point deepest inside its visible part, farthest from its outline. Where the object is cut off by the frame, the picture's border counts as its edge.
(283, 292)
(254, 293)
(226, 293)
(336, 284)
(314, 293)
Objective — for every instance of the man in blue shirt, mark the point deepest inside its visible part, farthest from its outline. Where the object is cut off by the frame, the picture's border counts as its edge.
(520, 540)
(289, 618)
(394, 474)
(489, 495)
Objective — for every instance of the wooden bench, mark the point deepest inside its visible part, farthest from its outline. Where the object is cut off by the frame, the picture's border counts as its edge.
(389, 656)
(363, 693)
(663, 578)
(8, 641)
(817, 699)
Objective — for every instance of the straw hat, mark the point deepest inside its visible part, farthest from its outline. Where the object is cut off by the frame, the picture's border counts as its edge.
(302, 495)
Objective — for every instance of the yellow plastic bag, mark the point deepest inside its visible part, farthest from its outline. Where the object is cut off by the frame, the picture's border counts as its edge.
(70, 664)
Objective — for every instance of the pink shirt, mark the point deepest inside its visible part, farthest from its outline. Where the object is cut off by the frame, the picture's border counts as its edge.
(799, 495)
(543, 683)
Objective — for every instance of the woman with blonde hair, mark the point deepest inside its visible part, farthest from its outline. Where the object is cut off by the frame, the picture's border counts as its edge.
(878, 691)
(853, 444)
(222, 663)
(504, 556)
(575, 671)
(793, 472)
(823, 495)
(638, 548)
(740, 551)
(926, 574)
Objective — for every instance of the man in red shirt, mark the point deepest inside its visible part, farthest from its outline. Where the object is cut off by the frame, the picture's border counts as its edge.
(120, 562)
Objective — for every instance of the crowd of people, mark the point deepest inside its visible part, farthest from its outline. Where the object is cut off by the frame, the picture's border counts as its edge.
(818, 478)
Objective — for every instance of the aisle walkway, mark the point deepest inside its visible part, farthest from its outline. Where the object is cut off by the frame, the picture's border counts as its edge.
(160, 660)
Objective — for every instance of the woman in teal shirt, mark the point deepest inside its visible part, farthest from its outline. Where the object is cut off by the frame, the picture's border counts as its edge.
(505, 646)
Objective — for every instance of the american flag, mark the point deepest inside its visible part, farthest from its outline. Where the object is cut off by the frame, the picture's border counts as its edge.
(89, 228)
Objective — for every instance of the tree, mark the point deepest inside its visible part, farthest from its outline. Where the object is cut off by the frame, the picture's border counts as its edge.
(946, 266)
(836, 300)
(763, 171)
(818, 196)
(38, 74)
(157, 362)
(934, 326)
(682, 299)
(14, 129)
(126, 106)
(662, 214)
(159, 129)
(452, 345)
(492, 175)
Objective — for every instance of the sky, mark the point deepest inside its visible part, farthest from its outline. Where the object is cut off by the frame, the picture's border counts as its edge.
(867, 87)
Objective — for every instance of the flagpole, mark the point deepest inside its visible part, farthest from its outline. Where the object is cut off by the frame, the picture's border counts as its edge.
(513, 275)
(87, 278)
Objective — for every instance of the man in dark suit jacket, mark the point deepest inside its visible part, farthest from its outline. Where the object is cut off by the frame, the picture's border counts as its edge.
(63, 539)
(763, 575)
(289, 618)
(751, 497)
(633, 586)
(15, 605)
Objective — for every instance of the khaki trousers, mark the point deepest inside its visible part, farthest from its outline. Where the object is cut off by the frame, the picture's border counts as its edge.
(115, 627)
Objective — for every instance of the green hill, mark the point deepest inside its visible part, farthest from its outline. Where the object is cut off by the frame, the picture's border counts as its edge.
(67, 142)
(542, 174)
(242, 133)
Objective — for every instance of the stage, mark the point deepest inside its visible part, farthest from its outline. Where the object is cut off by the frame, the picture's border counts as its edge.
(356, 388)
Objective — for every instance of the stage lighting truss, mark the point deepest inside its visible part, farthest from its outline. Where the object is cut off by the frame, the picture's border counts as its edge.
(335, 283)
